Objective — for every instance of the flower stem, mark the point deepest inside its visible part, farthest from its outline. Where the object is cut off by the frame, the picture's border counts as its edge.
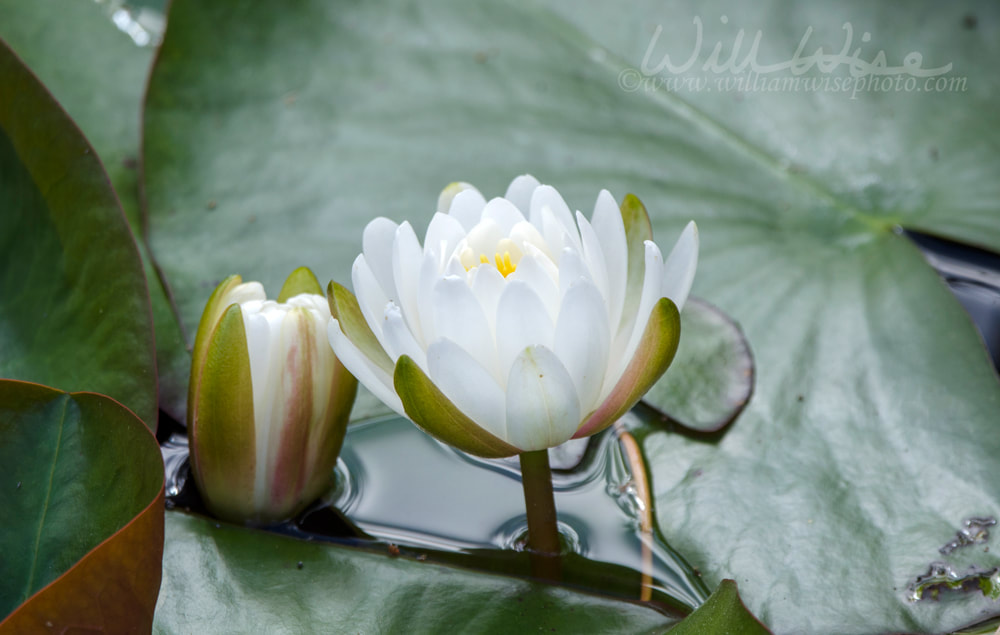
(543, 534)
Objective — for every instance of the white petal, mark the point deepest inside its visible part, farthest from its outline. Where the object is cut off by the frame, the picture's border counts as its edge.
(262, 329)
(543, 409)
(519, 191)
(429, 275)
(483, 238)
(443, 234)
(571, 269)
(547, 197)
(557, 237)
(593, 255)
(273, 330)
(678, 270)
(449, 193)
(459, 317)
(376, 243)
(504, 213)
(398, 338)
(581, 341)
(543, 260)
(317, 304)
(467, 208)
(371, 298)
(371, 376)
(610, 230)
(524, 234)
(468, 385)
(532, 272)
(487, 285)
(406, 256)
(246, 292)
(522, 321)
(455, 268)
(651, 285)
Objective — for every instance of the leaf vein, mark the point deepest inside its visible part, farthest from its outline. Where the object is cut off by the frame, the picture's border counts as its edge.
(45, 507)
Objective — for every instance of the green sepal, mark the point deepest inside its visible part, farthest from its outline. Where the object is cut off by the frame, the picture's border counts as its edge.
(302, 280)
(436, 415)
(209, 318)
(223, 448)
(345, 309)
(638, 230)
(652, 358)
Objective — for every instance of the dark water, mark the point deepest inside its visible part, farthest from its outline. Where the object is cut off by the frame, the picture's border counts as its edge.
(973, 275)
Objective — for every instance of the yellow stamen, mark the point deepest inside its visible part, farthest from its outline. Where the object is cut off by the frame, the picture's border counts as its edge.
(504, 265)
(504, 262)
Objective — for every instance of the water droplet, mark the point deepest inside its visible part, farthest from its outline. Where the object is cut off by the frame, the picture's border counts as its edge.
(514, 536)
(175, 463)
(974, 531)
(941, 577)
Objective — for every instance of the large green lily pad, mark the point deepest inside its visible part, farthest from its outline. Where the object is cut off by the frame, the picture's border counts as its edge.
(83, 529)
(223, 579)
(75, 309)
(272, 136)
(98, 75)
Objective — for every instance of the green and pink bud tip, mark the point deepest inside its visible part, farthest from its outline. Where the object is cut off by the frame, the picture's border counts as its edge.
(268, 401)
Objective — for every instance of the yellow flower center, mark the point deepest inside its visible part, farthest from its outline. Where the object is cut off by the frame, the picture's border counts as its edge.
(505, 258)
(504, 265)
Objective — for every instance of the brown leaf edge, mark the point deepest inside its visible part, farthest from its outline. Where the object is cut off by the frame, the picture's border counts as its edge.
(112, 589)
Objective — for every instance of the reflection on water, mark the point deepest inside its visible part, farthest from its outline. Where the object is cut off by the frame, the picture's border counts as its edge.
(144, 22)
(400, 490)
(973, 275)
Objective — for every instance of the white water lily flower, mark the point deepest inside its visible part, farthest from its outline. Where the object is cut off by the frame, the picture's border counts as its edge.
(268, 402)
(517, 325)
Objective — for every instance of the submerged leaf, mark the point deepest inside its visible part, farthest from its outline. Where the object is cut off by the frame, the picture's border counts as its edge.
(712, 376)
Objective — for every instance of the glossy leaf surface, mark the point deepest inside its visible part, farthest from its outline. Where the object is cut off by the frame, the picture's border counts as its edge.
(83, 530)
(220, 578)
(75, 308)
(98, 73)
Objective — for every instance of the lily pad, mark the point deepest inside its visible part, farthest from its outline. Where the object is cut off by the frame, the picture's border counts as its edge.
(98, 75)
(723, 612)
(304, 124)
(717, 374)
(75, 307)
(85, 526)
(221, 578)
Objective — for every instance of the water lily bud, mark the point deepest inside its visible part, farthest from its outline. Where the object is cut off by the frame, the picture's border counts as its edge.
(517, 325)
(268, 401)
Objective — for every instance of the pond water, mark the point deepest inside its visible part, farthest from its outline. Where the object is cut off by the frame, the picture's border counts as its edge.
(973, 275)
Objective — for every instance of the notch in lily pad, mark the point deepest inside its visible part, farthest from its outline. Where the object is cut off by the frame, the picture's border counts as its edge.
(712, 377)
